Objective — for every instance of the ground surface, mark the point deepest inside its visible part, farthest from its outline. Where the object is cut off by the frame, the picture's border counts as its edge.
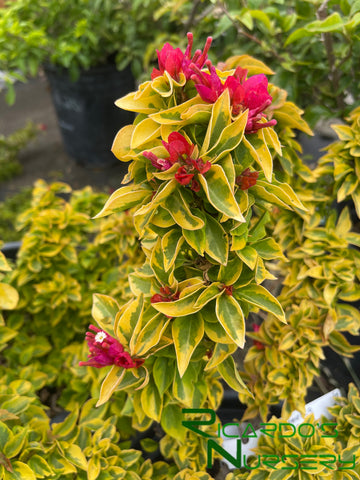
(45, 156)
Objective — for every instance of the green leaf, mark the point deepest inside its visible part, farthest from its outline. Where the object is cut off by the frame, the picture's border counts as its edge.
(296, 35)
(4, 266)
(216, 240)
(279, 376)
(9, 297)
(174, 115)
(229, 274)
(260, 297)
(151, 401)
(5, 435)
(15, 445)
(183, 388)
(75, 455)
(181, 213)
(231, 317)
(125, 198)
(230, 138)
(104, 310)
(230, 374)
(40, 466)
(196, 239)
(163, 372)
(111, 381)
(282, 473)
(187, 333)
(332, 23)
(163, 192)
(219, 193)
(216, 332)
(220, 118)
(264, 158)
(171, 422)
(283, 192)
(149, 335)
(157, 264)
(171, 244)
(220, 353)
(20, 471)
(249, 256)
(63, 429)
(17, 404)
(268, 249)
(339, 343)
(180, 308)
(210, 293)
(127, 321)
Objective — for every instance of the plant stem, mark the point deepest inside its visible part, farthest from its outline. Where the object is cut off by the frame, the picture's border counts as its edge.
(192, 15)
(246, 34)
(329, 47)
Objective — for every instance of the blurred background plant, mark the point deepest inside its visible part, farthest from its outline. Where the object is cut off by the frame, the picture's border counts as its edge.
(10, 147)
(9, 211)
(64, 258)
(76, 35)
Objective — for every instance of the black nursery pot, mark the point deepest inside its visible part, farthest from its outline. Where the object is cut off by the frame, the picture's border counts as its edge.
(86, 113)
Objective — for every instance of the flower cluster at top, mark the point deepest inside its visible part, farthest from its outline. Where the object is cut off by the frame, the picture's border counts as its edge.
(245, 94)
(174, 61)
(251, 94)
(106, 350)
(181, 152)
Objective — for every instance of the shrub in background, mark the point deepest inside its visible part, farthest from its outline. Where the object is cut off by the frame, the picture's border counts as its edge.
(342, 163)
(58, 268)
(75, 35)
(10, 209)
(10, 147)
(320, 282)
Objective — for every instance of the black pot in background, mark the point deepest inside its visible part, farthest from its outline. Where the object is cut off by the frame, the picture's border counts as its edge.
(87, 116)
(10, 249)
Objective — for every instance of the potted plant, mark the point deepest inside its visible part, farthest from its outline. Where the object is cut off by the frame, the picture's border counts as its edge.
(86, 49)
(216, 192)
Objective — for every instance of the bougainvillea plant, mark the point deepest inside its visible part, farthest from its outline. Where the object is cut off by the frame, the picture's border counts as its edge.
(200, 184)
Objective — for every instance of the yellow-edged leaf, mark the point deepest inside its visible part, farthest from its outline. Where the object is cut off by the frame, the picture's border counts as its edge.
(9, 297)
(231, 317)
(219, 193)
(125, 198)
(171, 243)
(111, 381)
(144, 132)
(187, 332)
(230, 374)
(262, 298)
(181, 213)
(104, 310)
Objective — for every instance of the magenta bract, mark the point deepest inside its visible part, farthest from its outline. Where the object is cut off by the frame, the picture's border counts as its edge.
(106, 350)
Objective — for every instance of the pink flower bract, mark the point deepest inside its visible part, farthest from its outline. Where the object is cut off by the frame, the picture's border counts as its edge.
(180, 151)
(174, 61)
(251, 94)
(106, 350)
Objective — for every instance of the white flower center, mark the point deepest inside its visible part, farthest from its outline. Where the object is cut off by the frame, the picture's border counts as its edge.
(100, 337)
